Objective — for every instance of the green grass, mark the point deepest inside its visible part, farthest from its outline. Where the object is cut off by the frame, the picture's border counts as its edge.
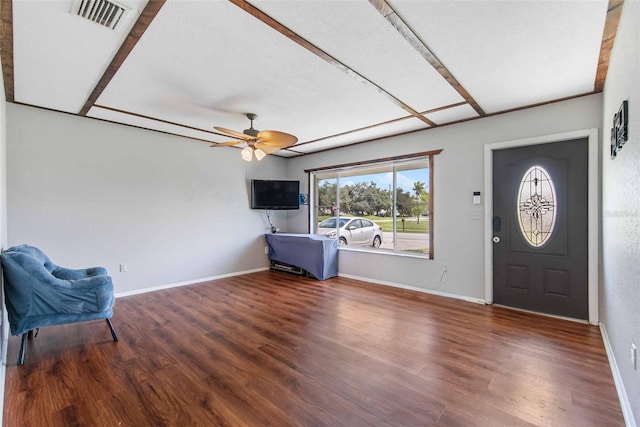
(418, 251)
(410, 224)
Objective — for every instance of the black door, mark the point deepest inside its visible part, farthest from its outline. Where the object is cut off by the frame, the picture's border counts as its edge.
(540, 229)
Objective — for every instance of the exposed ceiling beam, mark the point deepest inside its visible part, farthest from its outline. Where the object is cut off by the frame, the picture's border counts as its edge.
(266, 19)
(445, 107)
(155, 119)
(403, 28)
(614, 11)
(181, 125)
(6, 47)
(144, 20)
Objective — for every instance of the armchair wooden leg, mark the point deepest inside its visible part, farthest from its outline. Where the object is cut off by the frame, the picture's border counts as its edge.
(23, 348)
(113, 331)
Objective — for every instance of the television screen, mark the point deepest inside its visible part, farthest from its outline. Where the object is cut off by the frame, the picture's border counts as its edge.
(274, 194)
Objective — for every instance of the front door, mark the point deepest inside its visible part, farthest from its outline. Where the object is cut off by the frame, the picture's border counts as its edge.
(540, 230)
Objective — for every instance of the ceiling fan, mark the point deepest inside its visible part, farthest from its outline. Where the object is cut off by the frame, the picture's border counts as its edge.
(259, 143)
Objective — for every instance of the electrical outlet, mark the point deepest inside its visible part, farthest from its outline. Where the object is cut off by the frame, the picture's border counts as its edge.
(633, 356)
(123, 268)
(266, 250)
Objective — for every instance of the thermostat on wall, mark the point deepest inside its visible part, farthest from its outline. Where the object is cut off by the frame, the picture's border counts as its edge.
(476, 198)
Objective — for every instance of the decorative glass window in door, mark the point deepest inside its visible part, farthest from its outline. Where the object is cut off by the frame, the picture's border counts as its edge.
(536, 205)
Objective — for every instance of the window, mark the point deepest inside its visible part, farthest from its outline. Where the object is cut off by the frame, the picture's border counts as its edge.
(536, 206)
(384, 205)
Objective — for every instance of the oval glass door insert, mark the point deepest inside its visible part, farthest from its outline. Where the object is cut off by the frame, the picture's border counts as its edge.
(536, 206)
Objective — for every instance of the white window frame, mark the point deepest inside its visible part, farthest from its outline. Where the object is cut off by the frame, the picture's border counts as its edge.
(393, 162)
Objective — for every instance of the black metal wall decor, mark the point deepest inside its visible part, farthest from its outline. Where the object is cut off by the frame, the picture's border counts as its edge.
(619, 131)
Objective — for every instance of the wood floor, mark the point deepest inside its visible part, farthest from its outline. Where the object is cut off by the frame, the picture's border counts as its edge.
(274, 349)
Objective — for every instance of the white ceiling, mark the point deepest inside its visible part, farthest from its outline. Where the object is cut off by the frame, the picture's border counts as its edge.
(332, 73)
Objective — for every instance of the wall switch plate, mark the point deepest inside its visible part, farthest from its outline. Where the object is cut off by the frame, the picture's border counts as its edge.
(633, 356)
(123, 268)
(266, 250)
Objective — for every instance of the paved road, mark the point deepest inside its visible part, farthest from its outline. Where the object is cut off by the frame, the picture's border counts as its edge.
(406, 241)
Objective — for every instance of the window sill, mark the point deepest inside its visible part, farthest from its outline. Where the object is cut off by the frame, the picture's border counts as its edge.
(384, 252)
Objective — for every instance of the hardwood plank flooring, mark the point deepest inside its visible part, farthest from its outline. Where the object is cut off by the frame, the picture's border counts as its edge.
(274, 349)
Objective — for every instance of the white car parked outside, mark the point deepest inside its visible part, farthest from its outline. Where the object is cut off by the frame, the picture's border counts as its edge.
(352, 231)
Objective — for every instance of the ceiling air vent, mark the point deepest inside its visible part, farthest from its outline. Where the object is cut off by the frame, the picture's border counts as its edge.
(103, 12)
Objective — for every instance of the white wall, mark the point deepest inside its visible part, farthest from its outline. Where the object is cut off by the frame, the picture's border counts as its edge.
(89, 192)
(458, 172)
(95, 193)
(620, 290)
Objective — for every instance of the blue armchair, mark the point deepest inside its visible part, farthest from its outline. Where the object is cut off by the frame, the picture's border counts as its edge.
(39, 293)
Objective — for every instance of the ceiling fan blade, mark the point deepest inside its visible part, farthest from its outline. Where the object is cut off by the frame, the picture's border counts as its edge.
(269, 149)
(226, 144)
(277, 139)
(233, 133)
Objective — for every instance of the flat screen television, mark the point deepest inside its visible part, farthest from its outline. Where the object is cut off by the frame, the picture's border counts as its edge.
(275, 194)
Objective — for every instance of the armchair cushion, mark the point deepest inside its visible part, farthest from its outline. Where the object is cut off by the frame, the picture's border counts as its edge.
(39, 293)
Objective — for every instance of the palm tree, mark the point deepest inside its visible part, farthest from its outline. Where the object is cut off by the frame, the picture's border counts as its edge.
(418, 188)
(422, 199)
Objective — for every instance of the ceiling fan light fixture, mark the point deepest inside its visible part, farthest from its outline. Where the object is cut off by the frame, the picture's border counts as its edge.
(247, 154)
(251, 131)
(259, 143)
(259, 154)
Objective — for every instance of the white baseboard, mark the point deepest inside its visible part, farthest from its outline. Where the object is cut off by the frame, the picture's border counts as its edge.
(5, 337)
(617, 379)
(185, 283)
(622, 393)
(413, 288)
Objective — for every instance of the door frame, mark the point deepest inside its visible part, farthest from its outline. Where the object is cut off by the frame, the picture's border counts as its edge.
(593, 208)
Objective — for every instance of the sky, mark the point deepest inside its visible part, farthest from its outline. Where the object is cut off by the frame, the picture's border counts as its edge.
(385, 180)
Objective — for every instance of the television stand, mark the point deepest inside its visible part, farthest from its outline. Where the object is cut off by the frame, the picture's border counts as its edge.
(304, 254)
(281, 266)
